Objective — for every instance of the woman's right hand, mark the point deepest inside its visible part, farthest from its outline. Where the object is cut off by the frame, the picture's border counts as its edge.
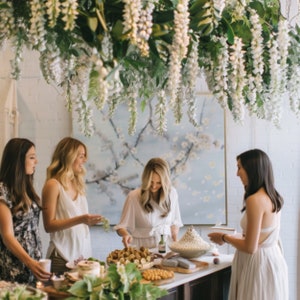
(38, 271)
(126, 240)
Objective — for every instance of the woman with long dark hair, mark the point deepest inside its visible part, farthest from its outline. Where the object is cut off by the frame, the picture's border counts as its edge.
(20, 243)
(259, 270)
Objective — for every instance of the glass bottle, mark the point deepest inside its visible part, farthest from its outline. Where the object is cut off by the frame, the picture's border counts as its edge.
(162, 245)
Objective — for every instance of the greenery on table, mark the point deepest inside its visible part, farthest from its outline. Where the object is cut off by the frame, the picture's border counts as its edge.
(122, 282)
(106, 52)
(20, 292)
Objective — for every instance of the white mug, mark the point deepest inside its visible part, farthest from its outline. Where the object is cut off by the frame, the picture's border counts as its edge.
(46, 264)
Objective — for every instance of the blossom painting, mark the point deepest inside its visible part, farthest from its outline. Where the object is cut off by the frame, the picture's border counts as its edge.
(195, 155)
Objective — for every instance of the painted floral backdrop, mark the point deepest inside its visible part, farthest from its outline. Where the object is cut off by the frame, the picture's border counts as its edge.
(196, 157)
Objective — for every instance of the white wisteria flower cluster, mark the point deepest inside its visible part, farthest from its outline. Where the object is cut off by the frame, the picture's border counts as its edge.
(105, 53)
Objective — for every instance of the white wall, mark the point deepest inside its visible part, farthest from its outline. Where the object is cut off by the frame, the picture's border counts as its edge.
(45, 120)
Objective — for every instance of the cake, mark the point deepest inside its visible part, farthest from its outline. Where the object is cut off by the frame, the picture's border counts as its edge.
(88, 267)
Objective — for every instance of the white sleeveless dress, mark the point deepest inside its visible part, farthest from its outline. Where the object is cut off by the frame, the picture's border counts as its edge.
(73, 242)
(262, 275)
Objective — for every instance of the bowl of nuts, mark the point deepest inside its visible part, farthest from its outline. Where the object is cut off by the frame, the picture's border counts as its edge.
(191, 245)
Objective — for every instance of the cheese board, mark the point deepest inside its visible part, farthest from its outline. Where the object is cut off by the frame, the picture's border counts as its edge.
(199, 266)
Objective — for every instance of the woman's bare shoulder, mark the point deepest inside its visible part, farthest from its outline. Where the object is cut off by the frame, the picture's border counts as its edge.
(260, 198)
(51, 183)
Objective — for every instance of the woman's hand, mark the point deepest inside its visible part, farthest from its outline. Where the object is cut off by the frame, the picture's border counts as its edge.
(38, 271)
(91, 219)
(217, 237)
(126, 240)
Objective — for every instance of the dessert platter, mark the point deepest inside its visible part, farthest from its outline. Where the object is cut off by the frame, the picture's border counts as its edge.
(158, 276)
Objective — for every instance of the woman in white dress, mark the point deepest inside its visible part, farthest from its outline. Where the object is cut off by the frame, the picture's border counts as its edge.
(65, 208)
(151, 210)
(259, 270)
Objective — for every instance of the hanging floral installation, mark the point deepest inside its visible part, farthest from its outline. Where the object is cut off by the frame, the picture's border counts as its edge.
(106, 52)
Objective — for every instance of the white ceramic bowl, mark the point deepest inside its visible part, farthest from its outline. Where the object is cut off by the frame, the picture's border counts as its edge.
(188, 253)
(57, 282)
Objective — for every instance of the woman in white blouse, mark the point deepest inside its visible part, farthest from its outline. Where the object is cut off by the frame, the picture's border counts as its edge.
(152, 209)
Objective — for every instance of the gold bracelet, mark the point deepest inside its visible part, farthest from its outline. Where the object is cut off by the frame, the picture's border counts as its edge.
(223, 238)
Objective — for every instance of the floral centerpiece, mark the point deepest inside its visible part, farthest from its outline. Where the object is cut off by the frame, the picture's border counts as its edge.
(103, 53)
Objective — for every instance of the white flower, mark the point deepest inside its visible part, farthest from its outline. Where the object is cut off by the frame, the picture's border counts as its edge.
(53, 10)
(144, 28)
(273, 97)
(161, 110)
(256, 79)
(69, 12)
(283, 45)
(7, 24)
(37, 25)
(294, 89)
(178, 49)
(237, 80)
(131, 15)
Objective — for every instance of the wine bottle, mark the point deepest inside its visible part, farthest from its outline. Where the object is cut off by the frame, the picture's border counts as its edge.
(162, 245)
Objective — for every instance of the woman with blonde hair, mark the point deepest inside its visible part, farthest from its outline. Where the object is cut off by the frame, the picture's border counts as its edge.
(65, 208)
(152, 209)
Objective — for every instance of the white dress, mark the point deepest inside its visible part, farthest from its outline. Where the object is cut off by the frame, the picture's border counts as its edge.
(73, 242)
(144, 227)
(262, 275)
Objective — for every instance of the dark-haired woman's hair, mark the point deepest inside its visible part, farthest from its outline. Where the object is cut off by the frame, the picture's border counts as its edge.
(13, 174)
(259, 171)
(159, 166)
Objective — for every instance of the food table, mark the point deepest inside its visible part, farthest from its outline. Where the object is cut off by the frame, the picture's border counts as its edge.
(210, 282)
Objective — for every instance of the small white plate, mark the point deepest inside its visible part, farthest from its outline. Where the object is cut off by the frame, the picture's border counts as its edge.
(224, 229)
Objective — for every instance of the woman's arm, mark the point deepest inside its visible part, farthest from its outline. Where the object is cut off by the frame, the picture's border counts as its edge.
(128, 218)
(175, 215)
(174, 232)
(50, 195)
(248, 243)
(12, 244)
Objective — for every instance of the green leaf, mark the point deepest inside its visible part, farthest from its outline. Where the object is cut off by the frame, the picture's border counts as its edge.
(79, 289)
(93, 23)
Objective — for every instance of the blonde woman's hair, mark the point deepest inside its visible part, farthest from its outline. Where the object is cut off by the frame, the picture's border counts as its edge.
(160, 167)
(61, 167)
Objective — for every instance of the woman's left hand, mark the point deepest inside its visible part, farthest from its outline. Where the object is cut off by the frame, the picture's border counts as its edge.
(92, 219)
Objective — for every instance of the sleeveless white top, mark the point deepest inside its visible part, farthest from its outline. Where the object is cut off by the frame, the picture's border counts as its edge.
(75, 241)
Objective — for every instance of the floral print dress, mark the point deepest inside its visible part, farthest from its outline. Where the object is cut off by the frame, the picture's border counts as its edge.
(26, 229)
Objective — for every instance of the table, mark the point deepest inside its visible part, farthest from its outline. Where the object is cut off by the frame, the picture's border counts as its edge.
(211, 283)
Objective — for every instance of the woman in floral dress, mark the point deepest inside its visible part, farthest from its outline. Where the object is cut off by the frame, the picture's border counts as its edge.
(20, 243)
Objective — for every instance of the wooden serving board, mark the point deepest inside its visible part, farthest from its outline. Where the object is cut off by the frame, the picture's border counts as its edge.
(199, 265)
(54, 293)
(158, 282)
